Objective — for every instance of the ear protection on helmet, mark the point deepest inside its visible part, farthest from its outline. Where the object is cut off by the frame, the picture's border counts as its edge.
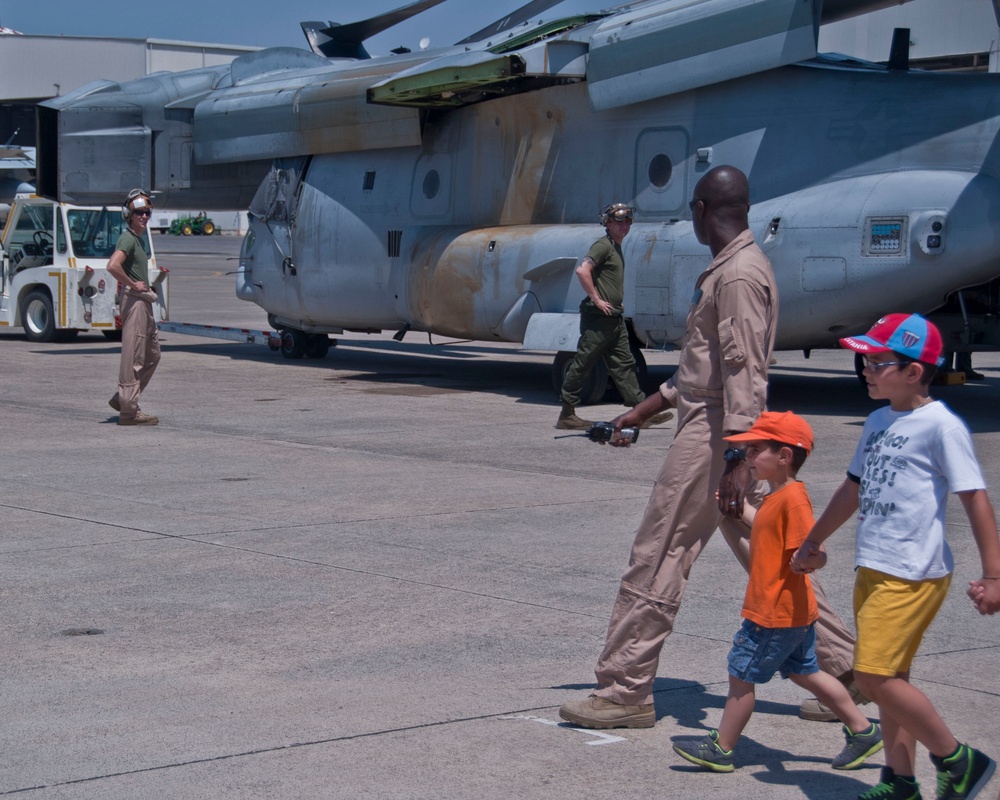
(618, 211)
(137, 198)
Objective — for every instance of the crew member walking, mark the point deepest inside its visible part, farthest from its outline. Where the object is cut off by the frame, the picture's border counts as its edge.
(129, 265)
(603, 333)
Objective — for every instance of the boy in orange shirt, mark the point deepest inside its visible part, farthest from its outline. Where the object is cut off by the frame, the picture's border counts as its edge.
(779, 609)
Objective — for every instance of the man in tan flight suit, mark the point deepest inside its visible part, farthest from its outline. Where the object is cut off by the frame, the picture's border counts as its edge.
(140, 338)
(719, 388)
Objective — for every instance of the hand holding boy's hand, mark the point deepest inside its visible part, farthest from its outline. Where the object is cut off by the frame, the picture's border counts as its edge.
(733, 488)
(985, 595)
(809, 558)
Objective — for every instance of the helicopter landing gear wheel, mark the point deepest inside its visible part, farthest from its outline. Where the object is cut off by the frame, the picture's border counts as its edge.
(317, 345)
(594, 387)
(293, 343)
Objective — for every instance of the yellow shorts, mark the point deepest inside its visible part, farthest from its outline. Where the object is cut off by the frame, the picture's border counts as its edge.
(891, 615)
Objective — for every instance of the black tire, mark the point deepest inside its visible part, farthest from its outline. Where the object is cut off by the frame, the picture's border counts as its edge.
(594, 388)
(293, 343)
(317, 345)
(113, 336)
(208, 228)
(65, 335)
(37, 317)
(641, 372)
(187, 230)
(641, 368)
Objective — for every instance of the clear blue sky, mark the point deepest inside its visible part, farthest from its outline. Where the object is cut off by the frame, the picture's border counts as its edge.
(261, 23)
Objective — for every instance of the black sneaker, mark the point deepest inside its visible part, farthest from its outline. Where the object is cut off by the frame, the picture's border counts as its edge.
(962, 775)
(706, 752)
(859, 746)
(893, 787)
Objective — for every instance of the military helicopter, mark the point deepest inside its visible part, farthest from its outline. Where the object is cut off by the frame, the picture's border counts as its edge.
(453, 191)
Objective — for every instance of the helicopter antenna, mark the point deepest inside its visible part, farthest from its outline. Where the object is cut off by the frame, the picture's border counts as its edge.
(333, 40)
(523, 14)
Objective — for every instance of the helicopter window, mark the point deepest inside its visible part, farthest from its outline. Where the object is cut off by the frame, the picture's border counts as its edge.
(660, 170)
(369, 183)
(277, 197)
(432, 184)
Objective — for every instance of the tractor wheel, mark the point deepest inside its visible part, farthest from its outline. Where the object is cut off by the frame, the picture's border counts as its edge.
(186, 230)
(37, 317)
(208, 228)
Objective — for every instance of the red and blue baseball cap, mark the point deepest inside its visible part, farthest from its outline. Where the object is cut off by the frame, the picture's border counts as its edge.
(909, 335)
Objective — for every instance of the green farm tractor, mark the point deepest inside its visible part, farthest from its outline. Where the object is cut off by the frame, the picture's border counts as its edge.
(199, 225)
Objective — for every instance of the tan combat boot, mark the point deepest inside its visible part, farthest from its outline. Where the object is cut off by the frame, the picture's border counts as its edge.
(596, 712)
(569, 421)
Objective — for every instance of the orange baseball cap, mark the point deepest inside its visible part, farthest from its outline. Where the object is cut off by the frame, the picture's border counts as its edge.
(778, 426)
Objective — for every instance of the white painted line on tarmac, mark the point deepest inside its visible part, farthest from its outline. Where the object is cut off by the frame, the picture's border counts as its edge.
(602, 738)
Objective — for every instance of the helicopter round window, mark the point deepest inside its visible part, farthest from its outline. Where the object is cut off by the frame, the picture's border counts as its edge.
(432, 184)
(660, 171)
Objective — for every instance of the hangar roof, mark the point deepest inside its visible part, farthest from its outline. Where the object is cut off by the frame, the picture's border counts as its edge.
(41, 67)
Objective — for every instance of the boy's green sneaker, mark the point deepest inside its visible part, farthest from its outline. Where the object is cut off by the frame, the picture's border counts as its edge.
(962, 775)
(859, 746)
(706, 752)
(892, 787)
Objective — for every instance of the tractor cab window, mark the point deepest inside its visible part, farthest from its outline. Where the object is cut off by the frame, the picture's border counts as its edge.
(94, 232)
(61, 243)
(31, 240)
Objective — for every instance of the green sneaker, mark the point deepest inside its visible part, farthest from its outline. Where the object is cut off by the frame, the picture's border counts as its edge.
(859, 746)
(962, 775)
(893, 787)
(706, 752)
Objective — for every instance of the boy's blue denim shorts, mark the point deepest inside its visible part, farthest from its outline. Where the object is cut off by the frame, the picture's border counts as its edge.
(759, 652)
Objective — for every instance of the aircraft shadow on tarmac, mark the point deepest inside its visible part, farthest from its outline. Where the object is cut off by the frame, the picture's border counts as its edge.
(416, 369)
(841, 394)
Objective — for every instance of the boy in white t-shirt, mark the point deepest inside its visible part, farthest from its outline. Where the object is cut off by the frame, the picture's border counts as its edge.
(912, 453)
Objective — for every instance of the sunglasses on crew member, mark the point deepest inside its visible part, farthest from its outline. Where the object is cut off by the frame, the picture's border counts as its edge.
(877, 365)
(145, 212)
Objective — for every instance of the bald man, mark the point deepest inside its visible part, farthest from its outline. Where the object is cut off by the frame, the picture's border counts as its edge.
(719, 389)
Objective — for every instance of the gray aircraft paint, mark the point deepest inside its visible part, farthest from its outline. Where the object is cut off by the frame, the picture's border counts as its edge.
(462, 209)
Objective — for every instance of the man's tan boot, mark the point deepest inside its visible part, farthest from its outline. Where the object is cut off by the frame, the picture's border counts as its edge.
(569, 421)
(596, 712)
(139, 419)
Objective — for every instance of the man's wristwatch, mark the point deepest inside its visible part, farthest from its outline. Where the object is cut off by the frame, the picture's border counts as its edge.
(735, 454)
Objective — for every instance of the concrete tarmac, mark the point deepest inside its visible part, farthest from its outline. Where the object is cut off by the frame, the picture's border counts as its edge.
(379, 576)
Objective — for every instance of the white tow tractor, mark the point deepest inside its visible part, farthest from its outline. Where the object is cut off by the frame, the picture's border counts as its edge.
(53, 277)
